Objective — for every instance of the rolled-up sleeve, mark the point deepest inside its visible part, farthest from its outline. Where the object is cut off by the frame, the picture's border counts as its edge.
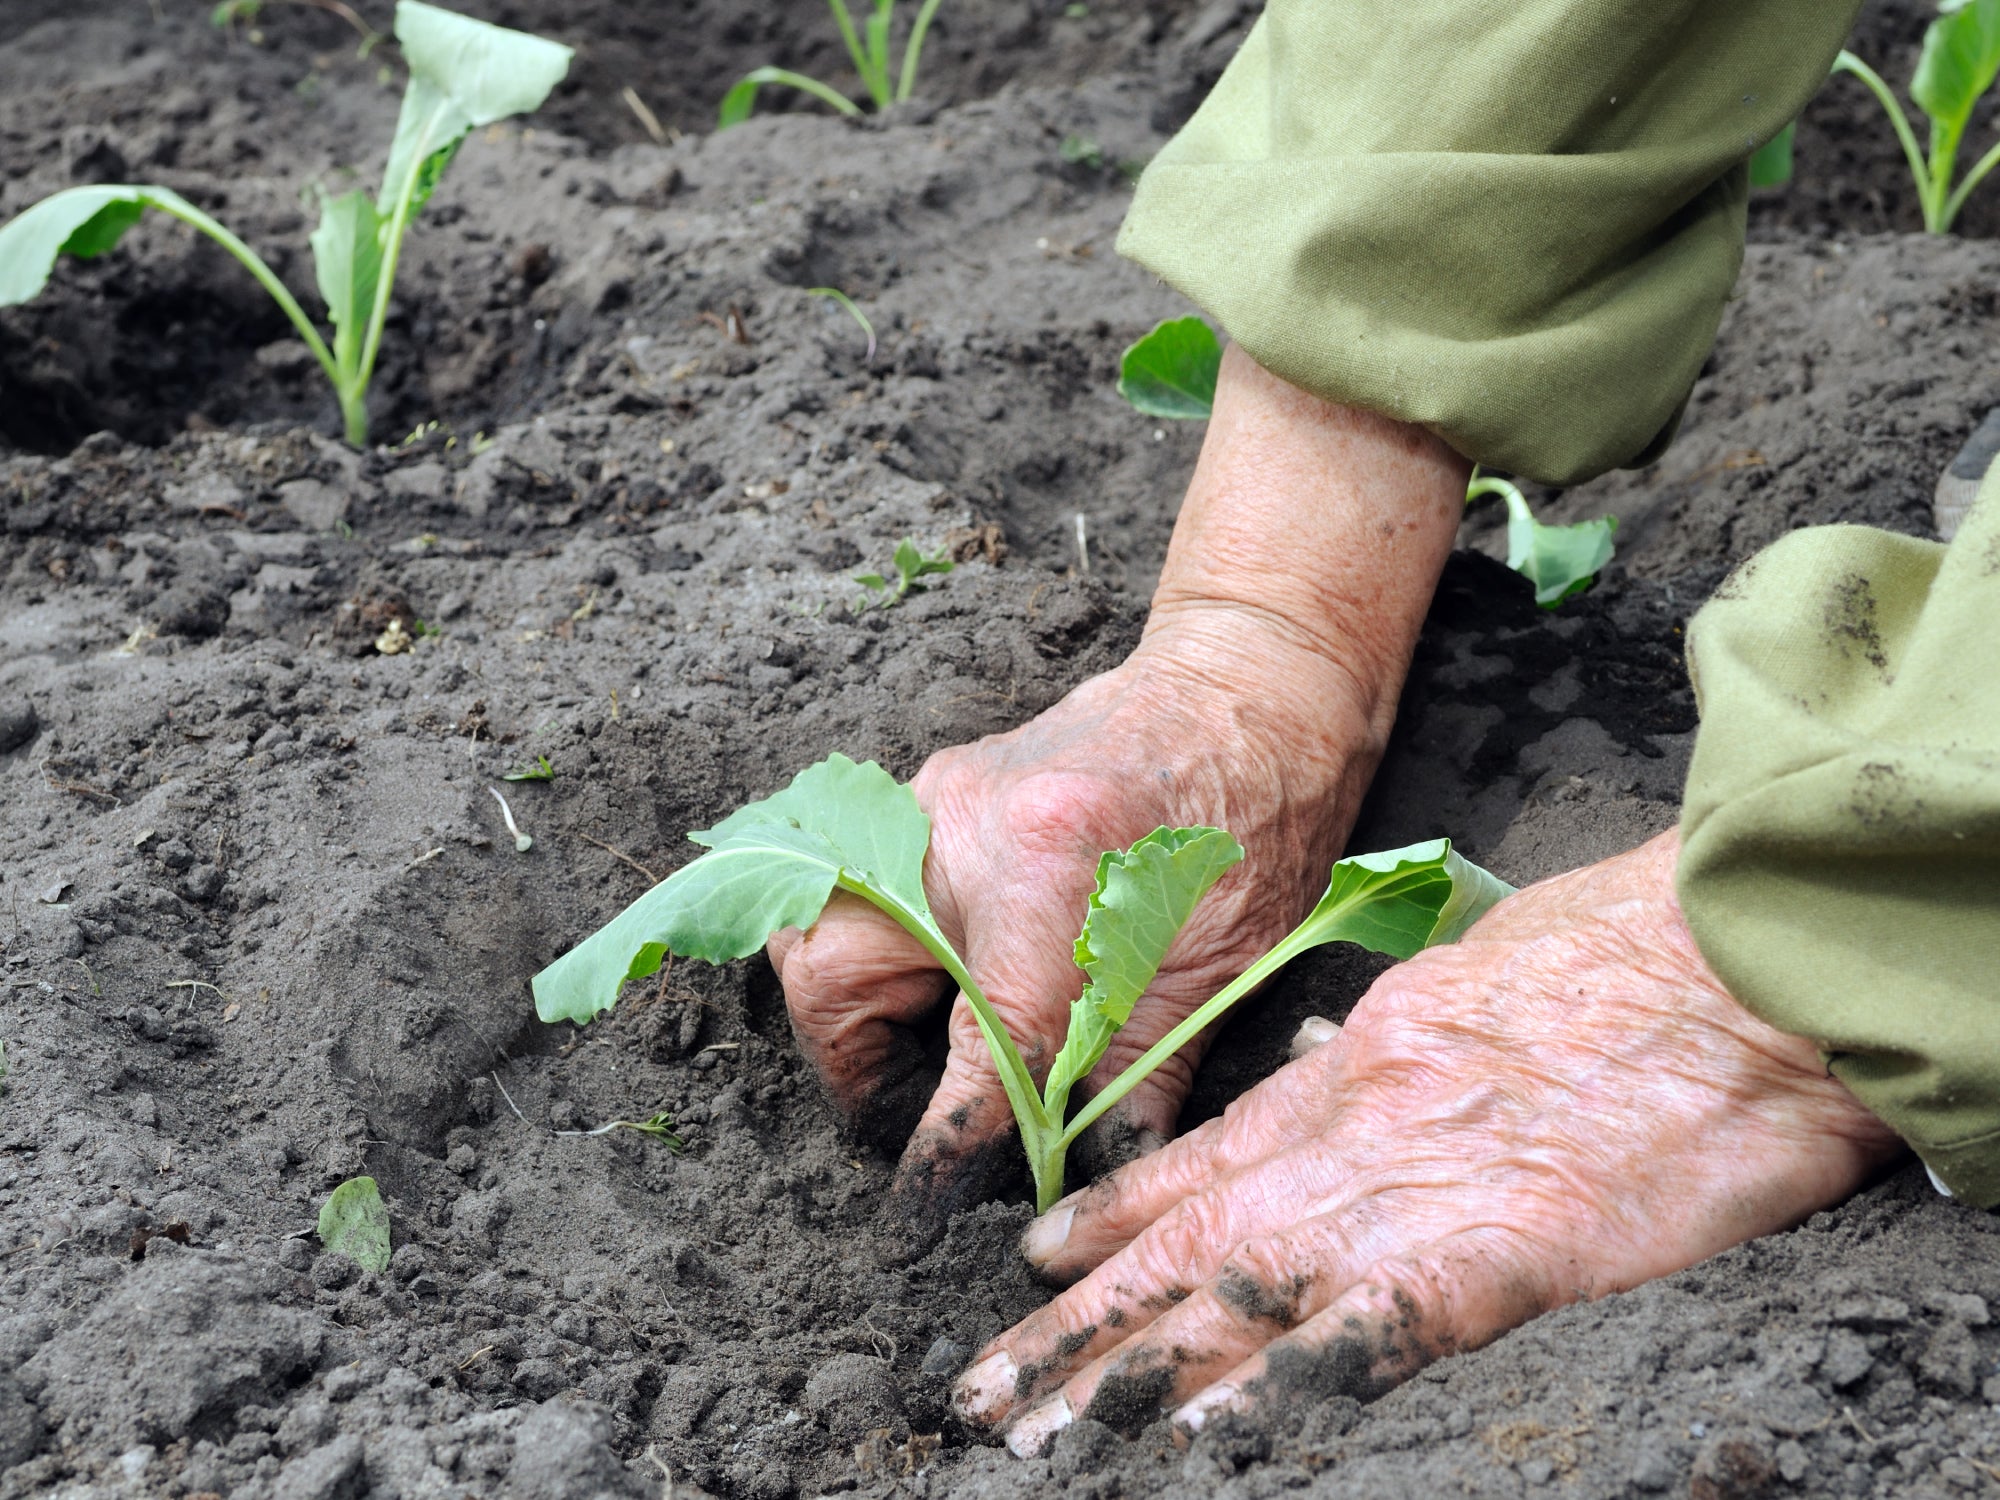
(1513, 222)
(1840, 860)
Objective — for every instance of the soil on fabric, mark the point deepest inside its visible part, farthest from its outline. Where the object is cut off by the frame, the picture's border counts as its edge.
(262, 928)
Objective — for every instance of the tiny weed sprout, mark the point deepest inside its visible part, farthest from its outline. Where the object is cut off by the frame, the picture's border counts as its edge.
(463, 74)
(835, 295)
(1172, 371)
(355, 1223)
(1960, 57)
(522, 843)
(868, 47)
(911, 565)
(660, 1127)
(842, 826)
(232, 13)
(537, 769)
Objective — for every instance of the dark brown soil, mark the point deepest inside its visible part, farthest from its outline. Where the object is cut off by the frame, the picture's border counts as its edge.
(261, 928)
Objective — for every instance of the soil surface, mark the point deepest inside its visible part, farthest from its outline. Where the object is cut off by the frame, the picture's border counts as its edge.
(262, 928)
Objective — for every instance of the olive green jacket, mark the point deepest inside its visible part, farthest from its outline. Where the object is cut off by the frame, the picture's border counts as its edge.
(1516, 222)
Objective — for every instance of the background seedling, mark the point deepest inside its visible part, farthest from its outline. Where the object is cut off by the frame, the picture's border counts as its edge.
(660, 1127)
(835, 294)
(911, 565)
(1172, 371)
(868, 47)
(538, 769)
(1960, 57)
(248, 12)
(522, 843)
(354, 1222)
(463, 74)
(843, 826)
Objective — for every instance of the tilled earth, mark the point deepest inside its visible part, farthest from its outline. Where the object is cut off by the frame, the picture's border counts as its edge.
(261, 927)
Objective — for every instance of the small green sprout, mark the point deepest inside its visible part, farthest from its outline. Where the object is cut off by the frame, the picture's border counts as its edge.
(354, 1222)
(660, 1127)
(1960, 58)
(836, 295)
(1172, 371)
(1081, 151)
(842, 826)
(868, 47)
(537, 769)
(522, 842)
(1771, 163)
(463, 74)
(911, 565)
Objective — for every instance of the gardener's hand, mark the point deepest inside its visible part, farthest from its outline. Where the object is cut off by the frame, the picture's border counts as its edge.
(1562, 1105)
(1258, 701)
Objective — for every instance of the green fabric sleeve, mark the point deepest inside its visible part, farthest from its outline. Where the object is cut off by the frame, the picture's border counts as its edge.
(1512, 221)
(1840, 863)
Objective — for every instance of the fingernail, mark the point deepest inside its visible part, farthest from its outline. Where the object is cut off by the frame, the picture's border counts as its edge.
(985, 1390)
(1314, 1031)
(1196, 1413)
(1146, 1142)
(1043, 1240)
(1038, 1426)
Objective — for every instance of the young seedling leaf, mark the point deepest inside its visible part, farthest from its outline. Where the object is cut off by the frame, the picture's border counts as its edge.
(742, 97)
(355, 1223)
(1400, 901)
(1144, 897)
(463, 74)
(1771, 164)
(1960, 57)
(347, 256)
(771, 865)
(81, 221)
(1171, 372)
(1559, 561)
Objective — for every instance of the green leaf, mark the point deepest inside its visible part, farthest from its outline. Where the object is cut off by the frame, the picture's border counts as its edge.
(1399, 901)
(772, 865)
(1171, 371)
(353, 1222)
(347, 256)
(1960, 57)
(81, 221)
(1558, 560)
(1771, 165)
(1144, 897)
(740, 100)
(463, 74)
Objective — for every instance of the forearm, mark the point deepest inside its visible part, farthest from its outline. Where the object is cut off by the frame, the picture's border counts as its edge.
(1304, 558)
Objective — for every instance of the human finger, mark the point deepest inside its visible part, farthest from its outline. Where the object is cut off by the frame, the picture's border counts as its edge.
(1086, 1228)
(1399, 1316)
(853, 982)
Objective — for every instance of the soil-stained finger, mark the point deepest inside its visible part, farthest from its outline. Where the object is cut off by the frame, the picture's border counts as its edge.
(1399, 1316)
(1267, 1287)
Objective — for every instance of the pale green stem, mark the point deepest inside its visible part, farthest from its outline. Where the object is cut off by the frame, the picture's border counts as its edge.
(878, 52)
(1517, 504)
(820, 91)
(187, 213)
(1973, 178)
(1847, 62)
(1037, 1131)
(1299, 940)
(378, 317)
(855, 50)
(914, 49)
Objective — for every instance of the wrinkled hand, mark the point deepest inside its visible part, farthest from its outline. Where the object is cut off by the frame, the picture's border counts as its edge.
(1300, 570)
(1019, 821)
(1563, 1105)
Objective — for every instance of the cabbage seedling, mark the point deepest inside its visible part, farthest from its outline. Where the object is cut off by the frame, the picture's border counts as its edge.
(463, 74)
(911, 565)
(842, 826)
(1172, 371)
(1960, 57)
(868, 47)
